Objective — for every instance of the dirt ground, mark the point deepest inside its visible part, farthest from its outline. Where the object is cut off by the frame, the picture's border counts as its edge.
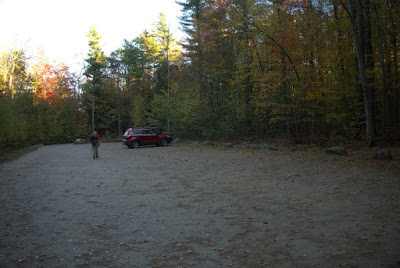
(189, 205)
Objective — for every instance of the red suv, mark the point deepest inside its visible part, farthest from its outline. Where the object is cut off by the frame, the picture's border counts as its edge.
(134, 137)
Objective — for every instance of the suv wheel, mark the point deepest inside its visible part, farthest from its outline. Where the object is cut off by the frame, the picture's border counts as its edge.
(163, 142)
(135, 144)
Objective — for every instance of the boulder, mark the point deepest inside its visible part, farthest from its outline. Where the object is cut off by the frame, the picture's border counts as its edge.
(80, 141)
(339, 150)
(176, 140)
(268, 147)
(252, 146)
(383, 154)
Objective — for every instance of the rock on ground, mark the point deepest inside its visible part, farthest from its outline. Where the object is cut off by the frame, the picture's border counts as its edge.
(383, 154)
(268, 147)
(80, 141)
(339, 150)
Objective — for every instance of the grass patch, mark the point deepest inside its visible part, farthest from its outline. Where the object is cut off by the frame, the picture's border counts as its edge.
(9, 154)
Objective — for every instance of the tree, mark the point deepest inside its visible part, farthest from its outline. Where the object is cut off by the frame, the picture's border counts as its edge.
(361, 25)
(168, 52)
(14, 76)
(94, 70)
(51, 82)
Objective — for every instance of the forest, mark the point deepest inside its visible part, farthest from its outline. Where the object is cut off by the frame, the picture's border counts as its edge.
(300, 70)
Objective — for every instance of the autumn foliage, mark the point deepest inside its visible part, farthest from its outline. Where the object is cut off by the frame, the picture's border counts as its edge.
(38, 102)
(51, 82)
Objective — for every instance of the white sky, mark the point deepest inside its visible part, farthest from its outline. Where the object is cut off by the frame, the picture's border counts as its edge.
(60, 27)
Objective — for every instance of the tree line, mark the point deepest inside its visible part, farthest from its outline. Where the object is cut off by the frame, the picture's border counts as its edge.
(303, 70)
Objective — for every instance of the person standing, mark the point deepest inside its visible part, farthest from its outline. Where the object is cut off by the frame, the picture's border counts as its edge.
(95, 140)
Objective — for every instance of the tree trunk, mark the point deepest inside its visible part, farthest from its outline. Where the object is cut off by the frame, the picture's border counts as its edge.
(393, 66)
(359, 26)
(384, 81)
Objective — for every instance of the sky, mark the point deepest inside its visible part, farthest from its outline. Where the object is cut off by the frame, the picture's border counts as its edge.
(59, 27)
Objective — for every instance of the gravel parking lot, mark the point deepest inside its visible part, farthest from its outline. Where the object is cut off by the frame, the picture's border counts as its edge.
(196, 206)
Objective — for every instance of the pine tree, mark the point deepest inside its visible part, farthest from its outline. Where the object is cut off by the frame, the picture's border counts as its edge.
(168, 53)
(94, 70)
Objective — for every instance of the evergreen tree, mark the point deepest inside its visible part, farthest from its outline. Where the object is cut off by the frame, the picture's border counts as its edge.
(96, 62)
(168, 53)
